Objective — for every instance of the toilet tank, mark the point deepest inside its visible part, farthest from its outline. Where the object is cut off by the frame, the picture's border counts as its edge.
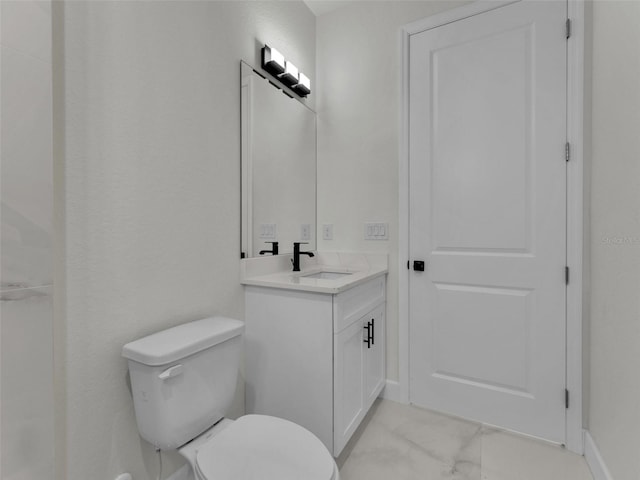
(183, 379)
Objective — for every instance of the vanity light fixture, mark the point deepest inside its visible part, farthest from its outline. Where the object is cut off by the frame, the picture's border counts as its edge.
(303, 87)
(285, 71)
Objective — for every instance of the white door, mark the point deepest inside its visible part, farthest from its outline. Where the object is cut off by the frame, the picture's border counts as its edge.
(488, 217)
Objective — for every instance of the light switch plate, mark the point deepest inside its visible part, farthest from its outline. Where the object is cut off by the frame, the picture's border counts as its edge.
(268, 231)
(376, 231)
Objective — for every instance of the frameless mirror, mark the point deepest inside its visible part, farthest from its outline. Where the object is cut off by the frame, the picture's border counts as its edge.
(278, 168)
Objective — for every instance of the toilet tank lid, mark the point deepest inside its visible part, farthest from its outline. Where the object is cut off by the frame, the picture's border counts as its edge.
(181, 341)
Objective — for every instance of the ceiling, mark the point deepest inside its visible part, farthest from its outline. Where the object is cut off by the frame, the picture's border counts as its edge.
(320, 7)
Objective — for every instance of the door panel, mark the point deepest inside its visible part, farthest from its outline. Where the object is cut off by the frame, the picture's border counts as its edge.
(488, 214)
(484, 207)
(503, 335)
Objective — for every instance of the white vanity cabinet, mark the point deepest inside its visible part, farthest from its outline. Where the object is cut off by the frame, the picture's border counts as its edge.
(316, 359)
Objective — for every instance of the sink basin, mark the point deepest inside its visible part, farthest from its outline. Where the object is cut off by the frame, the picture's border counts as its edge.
(326, 275)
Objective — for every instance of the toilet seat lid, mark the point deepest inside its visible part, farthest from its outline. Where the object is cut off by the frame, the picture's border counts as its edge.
(265, 448)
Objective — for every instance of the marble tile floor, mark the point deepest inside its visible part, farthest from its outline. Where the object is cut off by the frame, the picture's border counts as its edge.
(402, 442)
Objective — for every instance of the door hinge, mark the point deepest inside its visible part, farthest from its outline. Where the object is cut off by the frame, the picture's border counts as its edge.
(566, 398)
(408, 264)
(567, 151)
(566, 275)
(568, 27)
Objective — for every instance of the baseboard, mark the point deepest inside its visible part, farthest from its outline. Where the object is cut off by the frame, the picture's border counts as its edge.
(183, 473)
(392, 392)
(595, 461)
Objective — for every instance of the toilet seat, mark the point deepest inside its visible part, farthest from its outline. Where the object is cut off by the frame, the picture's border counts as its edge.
(260, 447)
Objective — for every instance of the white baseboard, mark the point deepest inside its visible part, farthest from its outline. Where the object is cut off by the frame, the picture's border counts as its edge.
(391, 391)
(595, 461)
(183, 473)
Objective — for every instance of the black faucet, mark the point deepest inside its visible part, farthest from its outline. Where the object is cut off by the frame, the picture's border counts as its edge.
(296, 255)
(273, 251)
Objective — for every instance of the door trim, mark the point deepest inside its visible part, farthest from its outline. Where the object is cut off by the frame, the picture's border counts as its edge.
(576, 212)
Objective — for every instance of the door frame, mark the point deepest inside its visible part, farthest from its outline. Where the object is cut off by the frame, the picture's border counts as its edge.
(576, 212)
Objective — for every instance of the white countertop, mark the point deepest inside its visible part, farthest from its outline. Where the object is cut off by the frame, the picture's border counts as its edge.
(275, 272)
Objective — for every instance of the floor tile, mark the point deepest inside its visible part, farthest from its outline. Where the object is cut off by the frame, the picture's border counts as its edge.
(507, 456)
(403, 442)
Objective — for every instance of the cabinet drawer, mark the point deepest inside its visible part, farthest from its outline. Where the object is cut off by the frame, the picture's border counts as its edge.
(351, 305)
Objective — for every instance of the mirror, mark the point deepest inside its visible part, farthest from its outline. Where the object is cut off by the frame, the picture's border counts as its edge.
(278, 168)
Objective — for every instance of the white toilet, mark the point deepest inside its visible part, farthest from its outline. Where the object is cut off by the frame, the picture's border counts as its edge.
(183, 381)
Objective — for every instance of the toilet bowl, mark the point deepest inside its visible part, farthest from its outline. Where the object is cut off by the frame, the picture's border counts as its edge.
(183, 382)
(259, 447)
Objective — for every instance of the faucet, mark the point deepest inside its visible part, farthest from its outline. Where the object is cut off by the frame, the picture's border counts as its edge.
(273, 251)
(296, 255)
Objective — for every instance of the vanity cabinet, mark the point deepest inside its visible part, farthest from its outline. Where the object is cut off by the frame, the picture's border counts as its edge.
(316, 359)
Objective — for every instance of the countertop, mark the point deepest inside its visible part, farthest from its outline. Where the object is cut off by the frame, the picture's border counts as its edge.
(275, 272)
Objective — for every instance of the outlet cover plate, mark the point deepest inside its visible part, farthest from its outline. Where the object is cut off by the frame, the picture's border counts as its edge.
(305, 232)
(327, 231)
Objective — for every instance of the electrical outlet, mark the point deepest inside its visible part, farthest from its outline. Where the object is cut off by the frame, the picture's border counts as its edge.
(327, 231)
(305, 232)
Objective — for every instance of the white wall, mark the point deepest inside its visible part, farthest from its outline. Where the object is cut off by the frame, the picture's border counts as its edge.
(614, 415)
(26, 278)
(151, 148)
(358, 105)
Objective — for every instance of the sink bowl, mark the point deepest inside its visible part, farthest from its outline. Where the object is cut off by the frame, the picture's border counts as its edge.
(326, 275)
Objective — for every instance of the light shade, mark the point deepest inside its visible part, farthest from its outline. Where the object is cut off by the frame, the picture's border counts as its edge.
(303, 87)
(290, 75)
(272, 60)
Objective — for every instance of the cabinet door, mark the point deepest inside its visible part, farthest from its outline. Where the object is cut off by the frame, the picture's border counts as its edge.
(348, 383)
(374, 355)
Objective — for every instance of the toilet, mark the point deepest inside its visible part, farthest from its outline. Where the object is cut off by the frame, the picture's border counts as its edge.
(183, 381)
